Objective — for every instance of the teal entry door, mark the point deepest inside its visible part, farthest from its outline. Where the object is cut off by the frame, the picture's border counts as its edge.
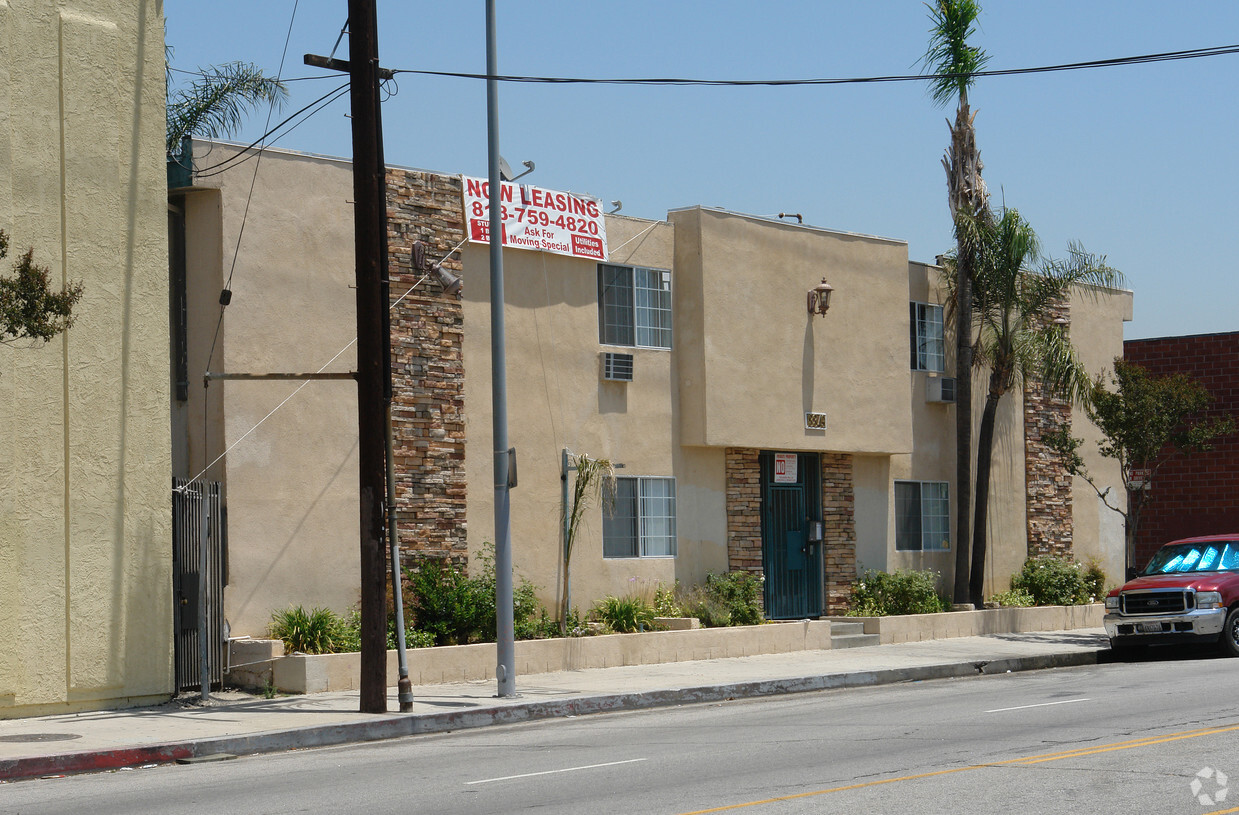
(791, 500)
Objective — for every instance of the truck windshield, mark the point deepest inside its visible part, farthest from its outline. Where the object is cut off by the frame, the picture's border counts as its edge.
(1195, 557)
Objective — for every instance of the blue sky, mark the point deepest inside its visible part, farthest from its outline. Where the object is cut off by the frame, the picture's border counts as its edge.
(1137, 163)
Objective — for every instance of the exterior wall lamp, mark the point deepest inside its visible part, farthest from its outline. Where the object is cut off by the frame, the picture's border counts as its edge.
(819, 298)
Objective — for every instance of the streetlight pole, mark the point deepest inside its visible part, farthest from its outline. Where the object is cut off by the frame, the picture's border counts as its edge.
(505, 646)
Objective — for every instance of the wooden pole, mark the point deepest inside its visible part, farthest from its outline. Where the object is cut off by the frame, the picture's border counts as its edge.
(369, 214)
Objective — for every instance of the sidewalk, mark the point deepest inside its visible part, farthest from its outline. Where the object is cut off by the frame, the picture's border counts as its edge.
(236, 724)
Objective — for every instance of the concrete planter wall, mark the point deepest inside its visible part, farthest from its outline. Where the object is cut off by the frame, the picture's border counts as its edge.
(302, 673)
(256, 663)
(917, 627)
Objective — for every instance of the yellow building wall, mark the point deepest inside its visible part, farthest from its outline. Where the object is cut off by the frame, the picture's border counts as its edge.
(557, 399)
(285, 450)
(85, 504)
(1097, 317)
(753, 360)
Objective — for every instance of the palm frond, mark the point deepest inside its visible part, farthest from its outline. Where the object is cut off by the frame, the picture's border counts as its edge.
(216, 103)
(950, 59)
(1017, 294)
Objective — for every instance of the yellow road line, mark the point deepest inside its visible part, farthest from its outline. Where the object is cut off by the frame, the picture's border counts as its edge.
(1026, 760)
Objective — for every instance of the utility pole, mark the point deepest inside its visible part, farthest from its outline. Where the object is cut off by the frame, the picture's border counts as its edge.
(370, 233)
(374, 380)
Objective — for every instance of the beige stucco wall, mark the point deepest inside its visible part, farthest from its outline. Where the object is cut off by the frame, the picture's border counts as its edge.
(753, 360)
(1097, 331)
(290, 476)
(85, 507)
(1097, 317)
(556, 399)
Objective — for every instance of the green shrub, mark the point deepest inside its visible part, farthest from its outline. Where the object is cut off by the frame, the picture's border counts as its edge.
(1095, 580)
(740, 593)
(665, 603)
(733, 598)
(881, 594)
(350, 634)
(1015, 598)
(450, 606)
(624, 615)
(457, 610)
(1053, 581)
(576, 626)
(317, 631)
(708, 610)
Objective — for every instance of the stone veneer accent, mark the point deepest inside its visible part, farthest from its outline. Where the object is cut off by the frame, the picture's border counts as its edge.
(743, 510)
(744, 549)
(428, 375)
(1048, 506)
(839, 517)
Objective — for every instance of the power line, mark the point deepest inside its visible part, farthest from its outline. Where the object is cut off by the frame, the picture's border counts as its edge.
(204, 75)
(1195, 53)
(322, 102)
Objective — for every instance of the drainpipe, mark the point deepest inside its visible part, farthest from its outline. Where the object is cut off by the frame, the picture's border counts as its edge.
(404, 687)
(563, 503)
(204, 668)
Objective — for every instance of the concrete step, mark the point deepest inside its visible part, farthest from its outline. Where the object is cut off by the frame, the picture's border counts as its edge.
(850, 635)
(854, 641)
(839, 628)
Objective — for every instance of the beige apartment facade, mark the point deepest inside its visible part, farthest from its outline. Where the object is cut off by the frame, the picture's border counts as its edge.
(752, 433)
(85, 505)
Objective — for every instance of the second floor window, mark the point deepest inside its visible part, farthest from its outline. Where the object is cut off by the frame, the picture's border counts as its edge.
(634, 306)
(927, 344)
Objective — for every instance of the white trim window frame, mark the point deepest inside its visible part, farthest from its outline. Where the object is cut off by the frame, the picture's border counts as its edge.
(927, 338)
(634, 306)
(922, 516)
(641, 524)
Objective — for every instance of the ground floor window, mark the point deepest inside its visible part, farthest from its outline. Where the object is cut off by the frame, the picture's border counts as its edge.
(922, 516)
(642, 522)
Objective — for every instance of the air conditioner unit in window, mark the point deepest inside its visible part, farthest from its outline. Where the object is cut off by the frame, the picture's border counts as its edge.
(940, 389)
(617, 367)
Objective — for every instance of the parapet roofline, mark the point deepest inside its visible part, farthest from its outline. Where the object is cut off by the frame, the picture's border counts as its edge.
(775, 220)
(317, 156)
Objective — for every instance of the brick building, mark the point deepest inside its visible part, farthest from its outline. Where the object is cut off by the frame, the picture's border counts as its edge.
(1196, 495)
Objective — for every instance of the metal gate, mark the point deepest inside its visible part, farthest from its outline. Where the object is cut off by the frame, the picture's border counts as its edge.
(198, 569)
(791, 560)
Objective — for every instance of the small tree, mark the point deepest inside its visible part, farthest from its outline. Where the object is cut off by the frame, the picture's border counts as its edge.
(1145, 422)
(595, 478)
(29, 309)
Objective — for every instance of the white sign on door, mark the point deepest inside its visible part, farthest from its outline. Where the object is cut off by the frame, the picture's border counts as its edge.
(785, 468)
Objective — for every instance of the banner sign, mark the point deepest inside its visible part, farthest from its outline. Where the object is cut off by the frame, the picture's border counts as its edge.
(533, 218)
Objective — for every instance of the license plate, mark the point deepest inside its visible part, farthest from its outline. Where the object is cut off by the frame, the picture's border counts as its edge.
(1150, 628)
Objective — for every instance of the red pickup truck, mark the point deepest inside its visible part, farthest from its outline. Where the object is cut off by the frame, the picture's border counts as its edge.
(1189, 592)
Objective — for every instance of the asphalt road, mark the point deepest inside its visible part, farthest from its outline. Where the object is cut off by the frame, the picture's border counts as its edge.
(1117, 738)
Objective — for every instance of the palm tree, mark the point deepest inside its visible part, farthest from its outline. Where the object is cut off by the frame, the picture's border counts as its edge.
(595, 479)
(952, 62)
(1018, 337)
(216, 102)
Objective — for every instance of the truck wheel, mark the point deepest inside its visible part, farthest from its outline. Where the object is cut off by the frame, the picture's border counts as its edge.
(1229, 641)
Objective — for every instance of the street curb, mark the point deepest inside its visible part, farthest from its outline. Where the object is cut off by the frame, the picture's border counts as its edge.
(387, 726)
